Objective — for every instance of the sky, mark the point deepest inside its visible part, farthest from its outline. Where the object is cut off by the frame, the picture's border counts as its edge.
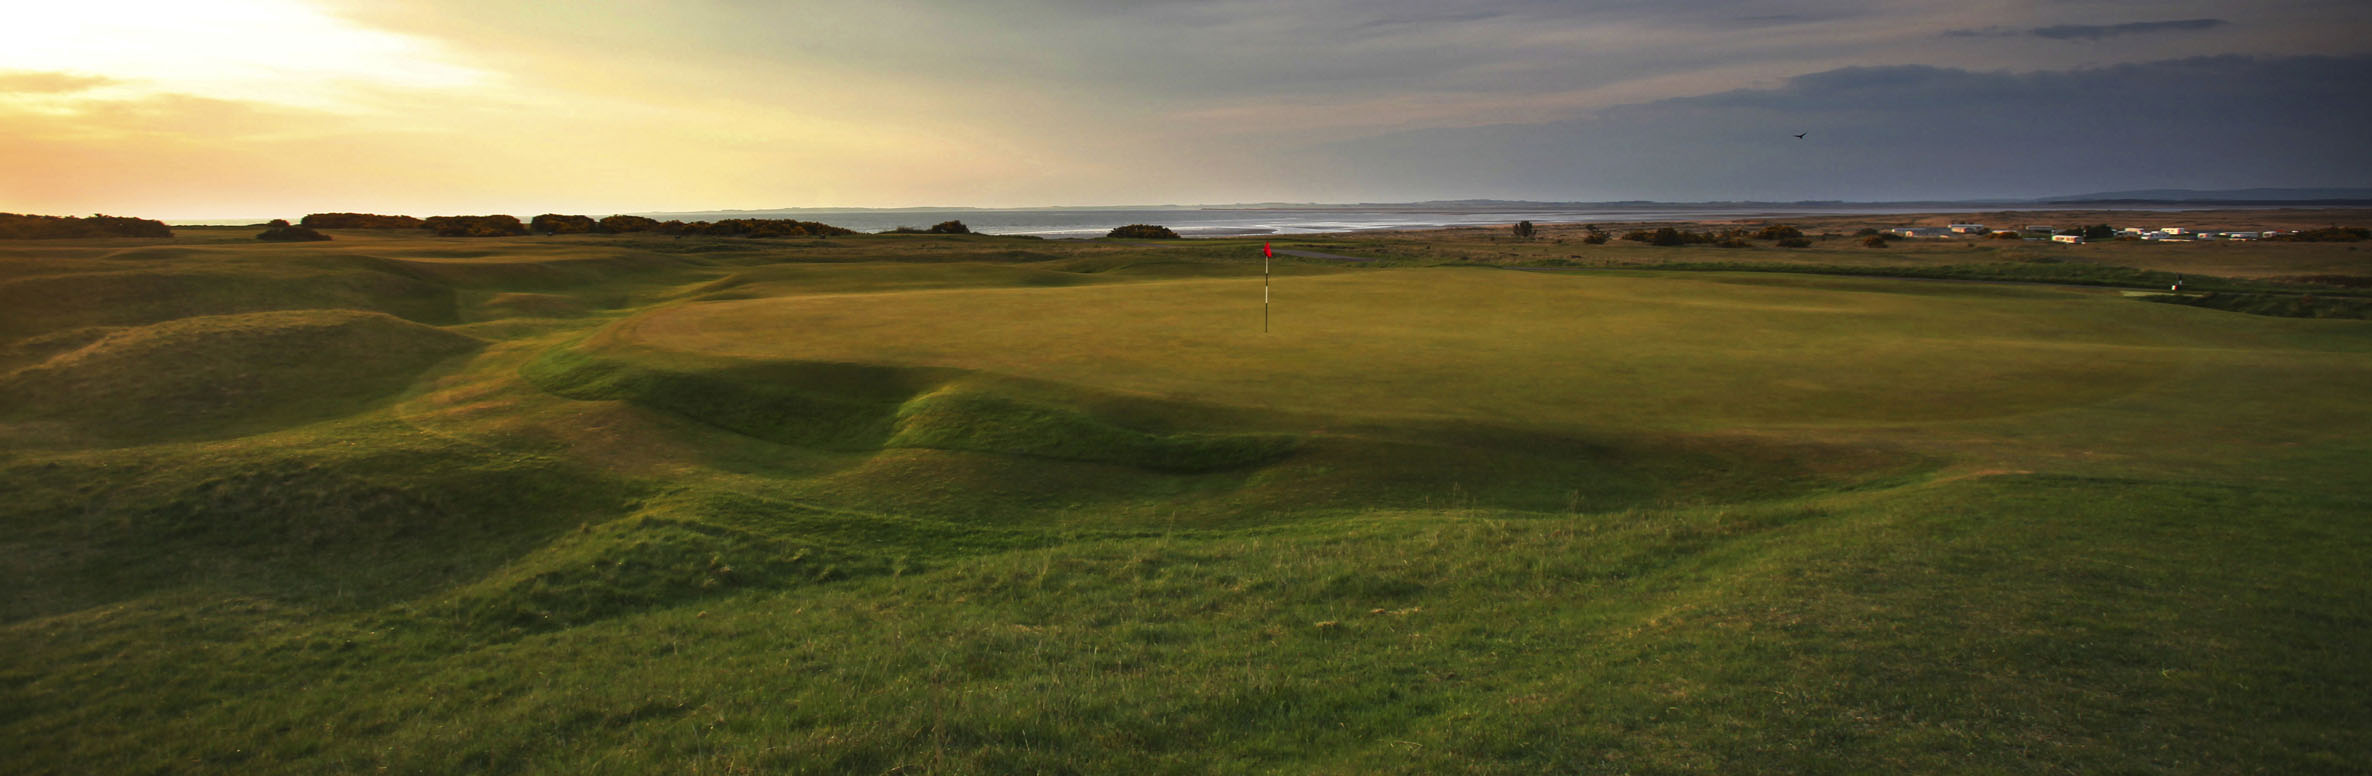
(275, 108)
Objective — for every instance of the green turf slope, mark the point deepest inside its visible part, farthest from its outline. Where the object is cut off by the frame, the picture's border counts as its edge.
(615, 504)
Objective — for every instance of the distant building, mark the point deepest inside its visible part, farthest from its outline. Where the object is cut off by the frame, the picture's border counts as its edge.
(1968, 229)
(2041, 229)
(2174, 231)
(2073, 239)
(1919, 231)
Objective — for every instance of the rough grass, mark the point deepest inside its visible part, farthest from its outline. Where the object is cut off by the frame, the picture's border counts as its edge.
(963, 505)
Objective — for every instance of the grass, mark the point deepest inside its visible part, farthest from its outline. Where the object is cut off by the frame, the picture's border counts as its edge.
(974, 504)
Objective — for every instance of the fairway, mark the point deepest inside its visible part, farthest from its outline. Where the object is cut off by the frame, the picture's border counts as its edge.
(968, 504)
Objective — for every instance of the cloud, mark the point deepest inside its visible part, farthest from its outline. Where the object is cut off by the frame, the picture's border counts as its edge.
(34, 82)
(2090, 31)
(1909, 132)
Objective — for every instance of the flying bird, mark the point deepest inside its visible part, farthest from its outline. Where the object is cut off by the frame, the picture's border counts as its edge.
(1800, 135)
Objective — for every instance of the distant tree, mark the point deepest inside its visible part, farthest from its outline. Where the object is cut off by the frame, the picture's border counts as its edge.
(359, 221)
(2099, 232)
(1143, 232)
(950, 227)
(1668, 236)
(1525, 230)
(554, 223)
(280, 231)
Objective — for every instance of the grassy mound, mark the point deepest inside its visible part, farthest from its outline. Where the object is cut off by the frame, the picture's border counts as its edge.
(338, 514)
(981, 421)
(827, 406)
(856, 407)
(228, 370)
(529, 305)
(46, 303)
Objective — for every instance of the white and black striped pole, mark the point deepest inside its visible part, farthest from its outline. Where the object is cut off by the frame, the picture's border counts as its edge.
(1265, 254)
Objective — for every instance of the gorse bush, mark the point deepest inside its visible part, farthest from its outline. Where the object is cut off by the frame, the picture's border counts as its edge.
(554, 223)
(626, 224)
(1143, 232)
(31, 227)
(950, 227)
(358, 221)
(280, 231)
(1778, 232)
(475, 226)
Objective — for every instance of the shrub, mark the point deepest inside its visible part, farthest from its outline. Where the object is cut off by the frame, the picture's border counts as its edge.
(1866, 232)
(1524, 229)
(1733, 242)
(1595, 238)
(554, 223)
(475, 226)
(280, 231)
(624, 224)
(1143, 232)
(2330, 234)
(1794, 242)
(1874, 241)
(1778, 232)
(950, 227)
(359, 221)
(30, 227)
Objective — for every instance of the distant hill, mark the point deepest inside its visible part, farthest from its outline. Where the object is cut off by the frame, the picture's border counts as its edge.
(2223, 195)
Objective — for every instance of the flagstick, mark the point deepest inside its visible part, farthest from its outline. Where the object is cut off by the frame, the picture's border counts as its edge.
(1264, 256)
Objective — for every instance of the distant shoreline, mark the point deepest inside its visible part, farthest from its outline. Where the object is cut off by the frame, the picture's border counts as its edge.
(1311, 220)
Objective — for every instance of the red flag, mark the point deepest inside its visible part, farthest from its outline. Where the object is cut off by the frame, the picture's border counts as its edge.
(1264, 251)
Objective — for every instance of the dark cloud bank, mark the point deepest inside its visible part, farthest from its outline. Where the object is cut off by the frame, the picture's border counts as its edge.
(2091, 31)
(1913, 132)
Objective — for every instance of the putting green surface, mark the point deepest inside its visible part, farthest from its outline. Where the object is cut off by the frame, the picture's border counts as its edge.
(1553, 351)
